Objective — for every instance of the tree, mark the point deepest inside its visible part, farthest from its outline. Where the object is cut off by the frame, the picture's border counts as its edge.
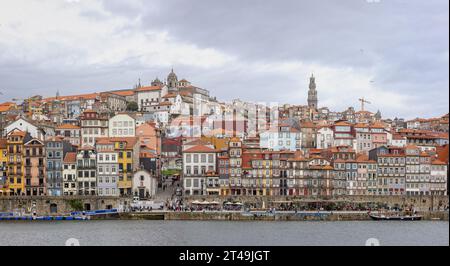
(132, 106)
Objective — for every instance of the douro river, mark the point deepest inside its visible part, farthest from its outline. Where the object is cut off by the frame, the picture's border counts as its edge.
(192, 233)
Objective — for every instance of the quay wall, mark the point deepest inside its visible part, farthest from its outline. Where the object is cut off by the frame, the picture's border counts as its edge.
(236, 216)
(64, 205)
(420, 203)
(60, 205)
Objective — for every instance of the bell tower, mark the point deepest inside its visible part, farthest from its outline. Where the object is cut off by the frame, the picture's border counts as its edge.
(312, 93)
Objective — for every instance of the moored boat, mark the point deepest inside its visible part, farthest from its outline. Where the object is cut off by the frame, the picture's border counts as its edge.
(396, 217)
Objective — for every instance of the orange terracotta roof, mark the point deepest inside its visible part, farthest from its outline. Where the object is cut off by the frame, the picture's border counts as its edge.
(307, 124)
(443, 153)
(71, 157)
(200, 149)
(89, 96)
(150, 88)
(398, 137)
(411, 147)
(342, 123)
(197, 141)
(377, 125)
(17, 132)
(131, 141)
(67, 126)
(438, 162)
(123, 93)
(186, 93)
(361, 125)
(362, 158)
(4, 108)
(170, 95)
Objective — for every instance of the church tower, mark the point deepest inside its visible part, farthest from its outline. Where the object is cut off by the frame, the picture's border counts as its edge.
(312, 93)
(172, 80)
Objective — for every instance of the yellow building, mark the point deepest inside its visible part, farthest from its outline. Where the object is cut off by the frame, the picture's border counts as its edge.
(4, 187)
(15, 172)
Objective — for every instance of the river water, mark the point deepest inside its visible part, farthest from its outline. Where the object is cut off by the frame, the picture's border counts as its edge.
(215, 233)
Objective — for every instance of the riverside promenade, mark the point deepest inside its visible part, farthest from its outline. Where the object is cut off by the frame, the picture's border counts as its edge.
(263, 216)
(433, 207)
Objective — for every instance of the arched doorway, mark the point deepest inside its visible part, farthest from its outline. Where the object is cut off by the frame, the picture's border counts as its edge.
(53, 208)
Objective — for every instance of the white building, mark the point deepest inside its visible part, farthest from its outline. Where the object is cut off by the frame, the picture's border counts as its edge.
(70, 174)
(87, 171)
(122, 125)
(363, 138)
(145, 185)
(438, 178)
(107, 169)
(324, 137)
(178, 107)
(150, 96)
(24, 125)
(396, 140)
(283, 137)
(197, 162)
(93, 126)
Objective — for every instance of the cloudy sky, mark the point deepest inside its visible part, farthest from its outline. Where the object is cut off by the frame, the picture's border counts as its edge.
(393, 52)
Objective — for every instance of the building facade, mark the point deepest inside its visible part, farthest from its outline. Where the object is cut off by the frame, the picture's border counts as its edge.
(87, 171)
(35, 170)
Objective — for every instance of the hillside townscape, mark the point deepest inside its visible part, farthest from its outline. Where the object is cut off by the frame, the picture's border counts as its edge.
(168, 140)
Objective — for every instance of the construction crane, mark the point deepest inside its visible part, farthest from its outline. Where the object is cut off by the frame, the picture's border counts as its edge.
(363, 101)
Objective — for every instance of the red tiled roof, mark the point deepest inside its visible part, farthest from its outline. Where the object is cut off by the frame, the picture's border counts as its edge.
(342, 123)
(438, 162)
(150, 88)
(200, 149)
(170, 95)
(67, 126)
(377, 125)
(131, 141)
(124, 93)
(71, 157)
(89, 96)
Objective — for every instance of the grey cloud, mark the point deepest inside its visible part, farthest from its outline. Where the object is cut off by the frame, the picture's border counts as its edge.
(403, 43)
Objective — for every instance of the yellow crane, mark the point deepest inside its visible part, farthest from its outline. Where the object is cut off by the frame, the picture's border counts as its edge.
(363, 101)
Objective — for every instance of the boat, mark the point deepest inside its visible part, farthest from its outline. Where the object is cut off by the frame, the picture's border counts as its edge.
(383, 217)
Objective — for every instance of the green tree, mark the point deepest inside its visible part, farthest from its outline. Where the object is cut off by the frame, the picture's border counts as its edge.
(132, 106)
(76, 205)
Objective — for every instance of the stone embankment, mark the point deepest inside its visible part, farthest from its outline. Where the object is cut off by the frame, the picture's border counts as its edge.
(264, 216)
(64, 205)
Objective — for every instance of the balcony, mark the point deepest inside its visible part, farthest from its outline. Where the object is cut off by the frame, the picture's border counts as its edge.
(90, 167)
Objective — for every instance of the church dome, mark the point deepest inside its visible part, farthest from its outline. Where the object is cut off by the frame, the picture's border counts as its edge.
(172, 80)
(172, 75)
